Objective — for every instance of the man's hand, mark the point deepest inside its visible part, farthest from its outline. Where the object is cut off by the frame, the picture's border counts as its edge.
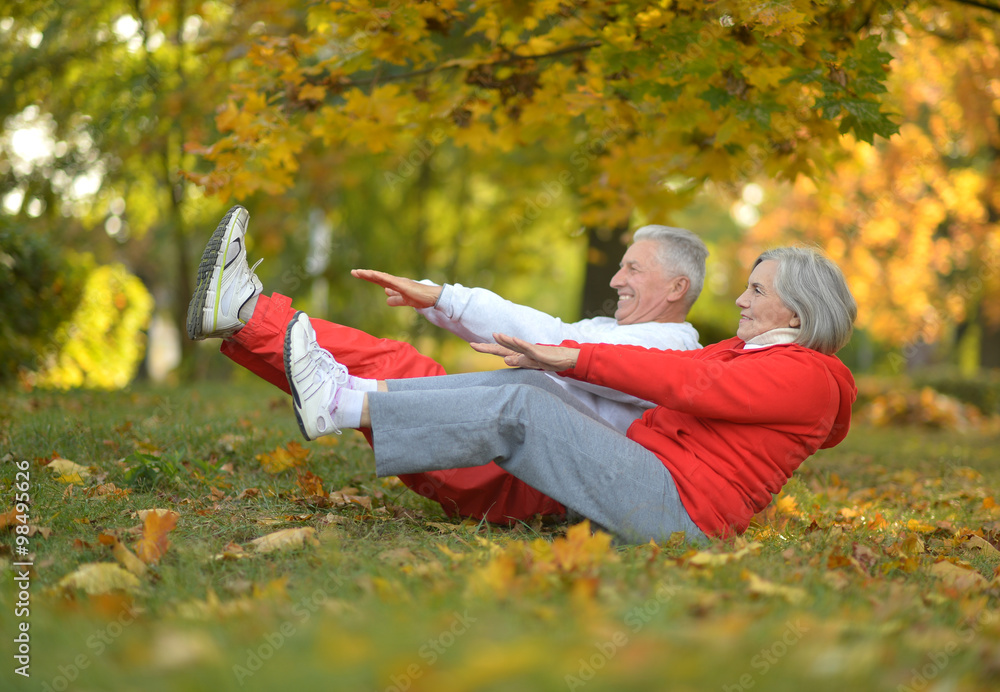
(519, 353)
(399, 291)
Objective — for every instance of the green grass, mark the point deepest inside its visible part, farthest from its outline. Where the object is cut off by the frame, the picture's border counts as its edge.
(847, 583)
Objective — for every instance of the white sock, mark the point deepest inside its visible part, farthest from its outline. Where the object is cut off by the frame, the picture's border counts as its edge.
(362, 384)
(346, 408)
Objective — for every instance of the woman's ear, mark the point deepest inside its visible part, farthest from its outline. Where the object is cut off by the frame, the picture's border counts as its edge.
(795, 322)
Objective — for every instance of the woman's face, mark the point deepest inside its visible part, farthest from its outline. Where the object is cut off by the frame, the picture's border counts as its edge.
(761, 310)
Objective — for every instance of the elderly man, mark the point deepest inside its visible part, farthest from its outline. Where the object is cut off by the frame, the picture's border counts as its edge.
(661, 275)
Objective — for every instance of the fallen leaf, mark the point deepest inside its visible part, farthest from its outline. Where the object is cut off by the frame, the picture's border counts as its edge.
(762, 587)
(910, 545)
(974, 542)
(865, 556)
(878, 522)
(154, 542)
(11, 519)
(107, 489)
(707, 559)
(310, 483)
(232, 551)
(68, 471)
(958, 576)
(285, 539)
(100, 577)
(282, 458)
(128, 559)
(340, 498)
(397, 556)
(141, 514)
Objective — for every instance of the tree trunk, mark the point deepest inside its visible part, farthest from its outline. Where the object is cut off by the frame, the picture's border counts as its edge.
(604, 253)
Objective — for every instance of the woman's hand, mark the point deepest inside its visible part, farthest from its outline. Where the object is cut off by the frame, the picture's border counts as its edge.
(519, 353)
(399, 291)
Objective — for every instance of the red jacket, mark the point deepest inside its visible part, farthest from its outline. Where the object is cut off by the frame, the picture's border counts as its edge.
(731, 425)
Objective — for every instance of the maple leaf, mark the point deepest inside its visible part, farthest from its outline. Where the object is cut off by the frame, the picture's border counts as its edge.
(10, 519)
(282, 458)
(309, 483)
(154, 542)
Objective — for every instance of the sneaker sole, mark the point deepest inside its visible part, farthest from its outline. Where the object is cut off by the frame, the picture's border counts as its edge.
(206, 270)
(296, 405)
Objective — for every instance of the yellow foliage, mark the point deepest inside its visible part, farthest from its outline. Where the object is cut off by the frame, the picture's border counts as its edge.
(103, 342)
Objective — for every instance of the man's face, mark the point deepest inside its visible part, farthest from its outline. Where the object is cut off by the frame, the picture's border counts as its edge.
(642, 286)
(761, 310)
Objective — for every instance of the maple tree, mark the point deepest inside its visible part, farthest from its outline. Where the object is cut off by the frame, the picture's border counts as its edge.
(914, 220)
(633, 93)
(624, 109)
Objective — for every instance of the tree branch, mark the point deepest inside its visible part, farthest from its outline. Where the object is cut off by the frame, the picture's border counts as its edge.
(579, 48)
(981, 5)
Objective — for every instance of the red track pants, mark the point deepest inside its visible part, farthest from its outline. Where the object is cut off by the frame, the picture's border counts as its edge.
(479, 491)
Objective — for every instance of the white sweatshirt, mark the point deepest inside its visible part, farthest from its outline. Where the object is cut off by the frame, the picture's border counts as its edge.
(475, 314)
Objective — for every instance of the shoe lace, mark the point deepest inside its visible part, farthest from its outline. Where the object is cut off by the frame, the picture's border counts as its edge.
(327, 366)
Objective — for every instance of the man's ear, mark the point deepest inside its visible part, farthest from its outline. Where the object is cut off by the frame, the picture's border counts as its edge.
(678, 288)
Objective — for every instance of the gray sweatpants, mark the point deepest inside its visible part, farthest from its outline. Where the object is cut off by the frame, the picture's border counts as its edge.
(535, 430)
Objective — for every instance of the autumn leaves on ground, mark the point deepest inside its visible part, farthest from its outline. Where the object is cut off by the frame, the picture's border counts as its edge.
(184, 539)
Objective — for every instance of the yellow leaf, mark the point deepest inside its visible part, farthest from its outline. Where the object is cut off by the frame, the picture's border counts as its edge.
(154, 542)
(128, 559)
(706, 559)
(68, 471)
(312, 92)
(100, 577)
(456, 557)
(232, 551)
(143, 513)
(285, 539)
(291, 455)
(762, 587)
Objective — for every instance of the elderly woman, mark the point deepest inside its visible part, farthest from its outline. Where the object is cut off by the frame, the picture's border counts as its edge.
(733, 420)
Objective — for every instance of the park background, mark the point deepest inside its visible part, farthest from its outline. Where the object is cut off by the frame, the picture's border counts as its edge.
(509, 145)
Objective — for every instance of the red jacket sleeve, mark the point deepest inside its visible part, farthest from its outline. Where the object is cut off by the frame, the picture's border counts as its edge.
(776, 387)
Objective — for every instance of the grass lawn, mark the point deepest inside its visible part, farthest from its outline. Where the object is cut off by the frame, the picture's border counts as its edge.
(876, 569)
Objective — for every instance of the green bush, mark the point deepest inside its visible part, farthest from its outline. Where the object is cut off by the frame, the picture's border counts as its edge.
(40, 287)
(983, 392)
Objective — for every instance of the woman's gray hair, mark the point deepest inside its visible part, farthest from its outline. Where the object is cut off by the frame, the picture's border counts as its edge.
(681, 253)
(814, 288)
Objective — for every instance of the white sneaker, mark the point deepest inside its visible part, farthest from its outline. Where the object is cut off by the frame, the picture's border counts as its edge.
(225, 281)
(314, 378)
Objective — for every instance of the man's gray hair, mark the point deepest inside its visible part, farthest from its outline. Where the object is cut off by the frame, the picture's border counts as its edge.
(814, 288)
(681, 253)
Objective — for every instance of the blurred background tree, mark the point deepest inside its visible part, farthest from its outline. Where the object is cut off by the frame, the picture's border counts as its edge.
(508, 145)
